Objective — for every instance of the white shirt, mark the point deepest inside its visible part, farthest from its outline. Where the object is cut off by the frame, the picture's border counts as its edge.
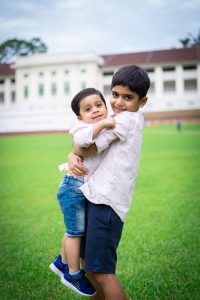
(82, 135)
(113, 181)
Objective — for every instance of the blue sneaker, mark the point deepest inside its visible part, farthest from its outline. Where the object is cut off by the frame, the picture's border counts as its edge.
(58, 267)
(79, 284)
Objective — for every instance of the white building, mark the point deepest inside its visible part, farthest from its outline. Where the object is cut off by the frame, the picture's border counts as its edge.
(36, 94)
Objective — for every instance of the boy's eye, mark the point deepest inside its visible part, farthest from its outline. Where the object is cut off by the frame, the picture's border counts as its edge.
(87, 109)
(99, 104)
(114, 94)
(128, 98)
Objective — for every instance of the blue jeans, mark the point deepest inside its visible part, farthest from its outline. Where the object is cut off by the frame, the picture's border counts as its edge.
(72, 203)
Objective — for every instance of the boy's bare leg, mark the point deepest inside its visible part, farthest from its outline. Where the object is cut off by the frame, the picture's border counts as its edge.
(72, 246)
(63, 249)
(99, 292)
(110, 286)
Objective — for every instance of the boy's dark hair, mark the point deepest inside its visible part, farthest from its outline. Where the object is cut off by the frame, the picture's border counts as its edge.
(135, 78)
(83, 94)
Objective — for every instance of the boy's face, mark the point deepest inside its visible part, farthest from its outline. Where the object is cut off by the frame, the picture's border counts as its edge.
(92, 109)
(123, 99)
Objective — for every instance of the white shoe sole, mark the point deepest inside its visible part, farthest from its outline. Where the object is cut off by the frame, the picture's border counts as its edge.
(69, 285)
(56, 270)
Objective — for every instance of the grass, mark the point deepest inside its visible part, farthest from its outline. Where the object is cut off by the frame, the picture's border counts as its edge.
(158, 256)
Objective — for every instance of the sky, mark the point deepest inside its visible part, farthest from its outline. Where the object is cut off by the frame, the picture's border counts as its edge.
(102, 26)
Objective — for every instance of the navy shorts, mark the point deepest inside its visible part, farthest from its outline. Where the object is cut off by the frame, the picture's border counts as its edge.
(103, 233)
(72, 203)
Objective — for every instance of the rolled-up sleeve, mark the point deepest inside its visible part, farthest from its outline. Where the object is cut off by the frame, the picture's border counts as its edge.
(82, 135)
(106, 137)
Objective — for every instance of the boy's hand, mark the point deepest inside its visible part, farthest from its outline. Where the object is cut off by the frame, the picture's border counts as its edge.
(76, 166)
(109, 123)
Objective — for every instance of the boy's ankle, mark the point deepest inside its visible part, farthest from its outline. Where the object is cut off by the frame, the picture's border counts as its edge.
(74, 274)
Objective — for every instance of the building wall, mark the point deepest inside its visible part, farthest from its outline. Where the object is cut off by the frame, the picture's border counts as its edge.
(45, 85)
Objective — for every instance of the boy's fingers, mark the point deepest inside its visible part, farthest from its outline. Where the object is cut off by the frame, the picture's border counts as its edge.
(78, 170)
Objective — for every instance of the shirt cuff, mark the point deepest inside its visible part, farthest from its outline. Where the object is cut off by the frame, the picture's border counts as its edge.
(83, 138)
(101, 143)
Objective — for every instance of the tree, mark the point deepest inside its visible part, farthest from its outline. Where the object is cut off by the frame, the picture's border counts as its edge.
(11, 49)
(191, 40)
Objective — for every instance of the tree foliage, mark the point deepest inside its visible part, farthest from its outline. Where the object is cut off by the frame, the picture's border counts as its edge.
(190, 40)
(11, 49)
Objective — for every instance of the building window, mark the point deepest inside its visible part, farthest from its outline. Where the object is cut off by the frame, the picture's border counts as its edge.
(1, 98)
(66, 71)
(150, 70)
(26, 92)
(41, 74)
(53, 73)
(168, 69)
(83, 71)
(152, 88)
(189, 67)
(41, 90)
(25, 75)
(2, 82)
(169, 86)
(13, 80)
(190, 84)
(53, 89)
(12, 97)
(66, 88)
(106, 90)
(83, 85)
(108, 73)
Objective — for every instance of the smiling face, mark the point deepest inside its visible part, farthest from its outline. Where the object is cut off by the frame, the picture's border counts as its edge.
(123, 99)
(92, 109)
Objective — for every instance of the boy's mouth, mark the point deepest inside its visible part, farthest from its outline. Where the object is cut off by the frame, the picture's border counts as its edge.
(96, 117)
(119, 109)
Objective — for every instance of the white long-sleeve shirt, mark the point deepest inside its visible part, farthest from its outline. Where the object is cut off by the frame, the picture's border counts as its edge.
(82, 135)
(113, 181)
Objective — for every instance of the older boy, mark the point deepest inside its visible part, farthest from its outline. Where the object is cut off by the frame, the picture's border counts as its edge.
(109, 190)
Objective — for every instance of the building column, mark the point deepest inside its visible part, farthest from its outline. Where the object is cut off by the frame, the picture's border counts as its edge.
(179, 82)
(158, 82)
(7, 92)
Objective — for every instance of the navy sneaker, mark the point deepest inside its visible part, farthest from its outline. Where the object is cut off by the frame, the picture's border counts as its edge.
(79, 284)
(58, 267)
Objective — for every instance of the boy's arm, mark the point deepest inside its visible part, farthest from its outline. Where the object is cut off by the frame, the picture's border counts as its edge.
(107, 123)
(106, 137)
(84, 134)
(120, 132)
(84, 152)
(76, 166)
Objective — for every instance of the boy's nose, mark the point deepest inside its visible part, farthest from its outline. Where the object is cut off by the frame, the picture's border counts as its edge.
(119, 101)
(95, 109)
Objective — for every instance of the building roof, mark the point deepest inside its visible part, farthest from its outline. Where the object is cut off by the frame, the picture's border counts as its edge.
(153, 57)
(6, 70)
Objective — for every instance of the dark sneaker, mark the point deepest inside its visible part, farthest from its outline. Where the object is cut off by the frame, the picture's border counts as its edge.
(58, 267)
(79, 284)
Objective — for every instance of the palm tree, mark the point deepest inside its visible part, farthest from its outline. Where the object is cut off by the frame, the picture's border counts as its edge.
(191, 40)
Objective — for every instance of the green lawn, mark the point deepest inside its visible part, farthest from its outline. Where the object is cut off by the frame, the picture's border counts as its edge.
(159, 254)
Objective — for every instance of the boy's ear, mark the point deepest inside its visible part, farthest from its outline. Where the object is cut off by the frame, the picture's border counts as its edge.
(143, 101)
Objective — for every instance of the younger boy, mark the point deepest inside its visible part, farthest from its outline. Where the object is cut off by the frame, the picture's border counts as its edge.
(90, 108)
(109, 190)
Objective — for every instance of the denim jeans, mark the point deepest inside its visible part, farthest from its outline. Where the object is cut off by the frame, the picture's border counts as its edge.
(72, 203)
